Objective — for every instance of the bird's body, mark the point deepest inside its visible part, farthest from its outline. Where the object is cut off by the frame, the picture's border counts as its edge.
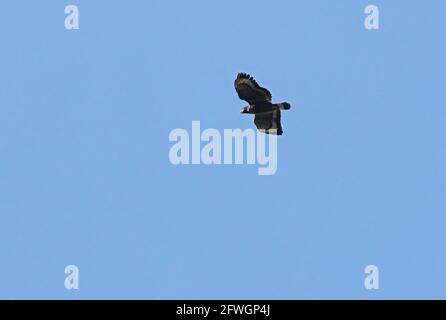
(267, 114)
(265, 107)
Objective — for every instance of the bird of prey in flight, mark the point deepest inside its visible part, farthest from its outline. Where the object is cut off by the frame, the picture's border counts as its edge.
(267, 114)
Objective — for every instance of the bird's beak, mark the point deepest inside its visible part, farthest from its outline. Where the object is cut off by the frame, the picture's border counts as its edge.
(242, 110)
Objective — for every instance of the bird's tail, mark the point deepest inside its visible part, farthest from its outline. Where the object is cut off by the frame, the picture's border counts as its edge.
(283, 106)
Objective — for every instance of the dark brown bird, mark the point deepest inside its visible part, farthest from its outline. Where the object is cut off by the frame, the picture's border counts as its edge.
(267, 114)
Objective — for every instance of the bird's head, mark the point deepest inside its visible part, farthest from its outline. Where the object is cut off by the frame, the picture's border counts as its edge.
(246, 109)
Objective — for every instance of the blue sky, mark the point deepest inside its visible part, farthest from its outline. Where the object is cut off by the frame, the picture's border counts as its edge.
(85, 177)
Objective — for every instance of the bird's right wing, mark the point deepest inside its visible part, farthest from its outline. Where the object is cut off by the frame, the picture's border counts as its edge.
(269, 122)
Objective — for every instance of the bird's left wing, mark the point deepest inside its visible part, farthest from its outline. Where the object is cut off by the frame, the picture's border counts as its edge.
(250, 91)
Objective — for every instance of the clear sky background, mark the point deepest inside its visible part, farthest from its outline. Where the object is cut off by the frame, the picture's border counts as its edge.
(85, 177)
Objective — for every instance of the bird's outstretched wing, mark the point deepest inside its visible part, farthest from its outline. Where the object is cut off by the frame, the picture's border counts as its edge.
(269, 122)
(250, 91)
